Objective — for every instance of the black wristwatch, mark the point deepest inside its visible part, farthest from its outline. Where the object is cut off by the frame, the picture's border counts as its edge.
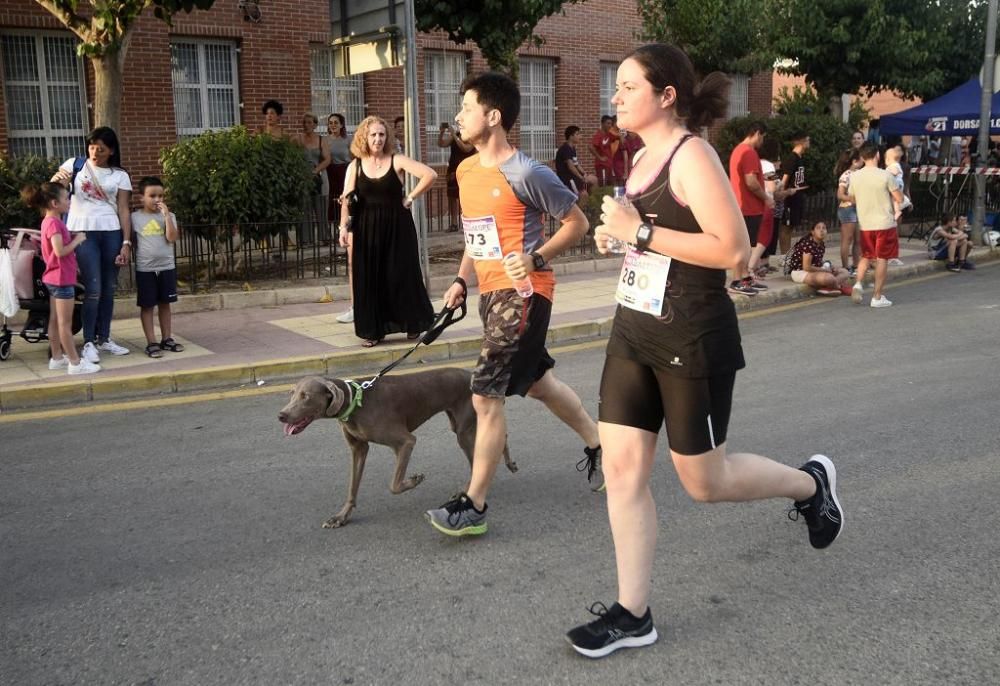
(537, 260)
(643, 235)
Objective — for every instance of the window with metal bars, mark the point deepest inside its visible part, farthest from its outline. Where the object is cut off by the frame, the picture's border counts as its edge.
(206, 88)
(44, 95)
(345, 95)
(739, 96)
(538, 104)
(609, 73)
(443, 76)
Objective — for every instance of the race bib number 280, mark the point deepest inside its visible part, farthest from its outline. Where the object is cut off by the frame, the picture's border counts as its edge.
(482, 241)
(643, 281)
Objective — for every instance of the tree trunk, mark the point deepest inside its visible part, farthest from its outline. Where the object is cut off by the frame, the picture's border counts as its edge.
(109, 71)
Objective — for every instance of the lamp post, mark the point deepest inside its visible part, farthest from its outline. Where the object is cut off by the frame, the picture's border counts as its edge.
(411, 114)
(985, 116)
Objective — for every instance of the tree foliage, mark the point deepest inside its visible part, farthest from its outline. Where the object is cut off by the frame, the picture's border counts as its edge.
(798, 100)
(498, 27)
(717, 35)
(15, 174)
(913, 47)
(919, 48)
(226, 178)
(104, 26)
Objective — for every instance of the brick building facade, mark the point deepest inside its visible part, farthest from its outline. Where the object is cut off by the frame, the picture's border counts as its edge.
(214, 69)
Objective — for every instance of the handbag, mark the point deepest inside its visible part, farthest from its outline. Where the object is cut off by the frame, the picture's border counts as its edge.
(8, 297)
(353, 203)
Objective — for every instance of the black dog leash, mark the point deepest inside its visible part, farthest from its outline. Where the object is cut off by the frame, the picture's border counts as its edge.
(445, 318)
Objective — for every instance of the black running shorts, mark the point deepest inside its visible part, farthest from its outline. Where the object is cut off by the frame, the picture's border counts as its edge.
(696, 410)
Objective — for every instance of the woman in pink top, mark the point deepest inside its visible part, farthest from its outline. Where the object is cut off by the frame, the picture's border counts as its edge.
(58, 252)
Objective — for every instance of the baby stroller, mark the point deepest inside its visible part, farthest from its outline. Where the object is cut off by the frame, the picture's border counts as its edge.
(28, 267)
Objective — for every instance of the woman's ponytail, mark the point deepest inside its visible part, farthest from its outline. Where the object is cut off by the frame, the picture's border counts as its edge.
(711, 100)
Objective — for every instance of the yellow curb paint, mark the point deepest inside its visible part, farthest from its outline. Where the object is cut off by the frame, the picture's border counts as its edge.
(113, 388)
(25, 397)
(309, 366)
(201, 379)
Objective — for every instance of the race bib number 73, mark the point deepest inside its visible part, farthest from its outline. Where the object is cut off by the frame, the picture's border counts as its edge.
(482, 241)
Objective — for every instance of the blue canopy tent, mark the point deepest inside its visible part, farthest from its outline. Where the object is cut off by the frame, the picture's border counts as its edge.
(955, 113)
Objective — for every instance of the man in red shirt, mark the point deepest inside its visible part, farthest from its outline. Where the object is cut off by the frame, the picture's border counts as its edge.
(747, 179)
(603, 146)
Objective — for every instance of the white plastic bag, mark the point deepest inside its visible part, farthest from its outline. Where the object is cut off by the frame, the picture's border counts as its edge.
(9, 304)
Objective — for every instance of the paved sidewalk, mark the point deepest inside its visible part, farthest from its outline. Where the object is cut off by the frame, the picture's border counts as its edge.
(270, 342)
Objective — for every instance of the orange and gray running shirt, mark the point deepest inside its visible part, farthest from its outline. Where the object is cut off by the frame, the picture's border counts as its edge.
(505, 204)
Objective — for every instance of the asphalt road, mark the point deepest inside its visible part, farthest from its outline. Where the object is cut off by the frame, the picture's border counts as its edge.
(182, 545)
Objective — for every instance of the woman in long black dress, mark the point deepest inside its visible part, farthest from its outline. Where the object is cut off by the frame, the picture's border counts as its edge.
(389, 292)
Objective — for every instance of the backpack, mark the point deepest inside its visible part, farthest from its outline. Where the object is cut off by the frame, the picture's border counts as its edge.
(786, 261)
(78, 165)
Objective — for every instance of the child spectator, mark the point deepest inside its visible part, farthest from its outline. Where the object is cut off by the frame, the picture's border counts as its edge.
(948, 240)
(892, 157)
(59, 254)
(805, 264)
(155, 230)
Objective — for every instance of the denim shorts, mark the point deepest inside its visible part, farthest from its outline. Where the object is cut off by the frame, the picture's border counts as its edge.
(847, 215)
(61, 292)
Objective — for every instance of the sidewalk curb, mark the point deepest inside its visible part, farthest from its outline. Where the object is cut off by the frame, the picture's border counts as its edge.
(353, 362)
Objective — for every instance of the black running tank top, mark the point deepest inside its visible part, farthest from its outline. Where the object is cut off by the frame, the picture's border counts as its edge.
(697, 334)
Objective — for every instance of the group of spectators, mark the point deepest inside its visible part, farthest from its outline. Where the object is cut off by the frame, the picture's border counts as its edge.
(614, 150)
(100, 232)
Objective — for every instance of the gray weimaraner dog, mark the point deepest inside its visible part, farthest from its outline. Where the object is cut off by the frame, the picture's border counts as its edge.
(388, 414)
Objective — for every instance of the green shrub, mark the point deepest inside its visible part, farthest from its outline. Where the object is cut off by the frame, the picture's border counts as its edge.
(828, 137)
(224, 178)
(800, 100)
(15, 173)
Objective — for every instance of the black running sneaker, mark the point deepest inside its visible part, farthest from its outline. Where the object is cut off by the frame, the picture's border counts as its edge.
(458, 517)
(592, 464)
(613, 629)
(822, 512)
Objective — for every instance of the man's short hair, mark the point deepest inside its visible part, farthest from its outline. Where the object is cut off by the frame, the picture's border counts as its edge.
(753, 127)
(946, 218)
(607, 117)
(570, 130)
(147, 181)
(869, 151)
(798, 136)
(496, 91)
(397, 120)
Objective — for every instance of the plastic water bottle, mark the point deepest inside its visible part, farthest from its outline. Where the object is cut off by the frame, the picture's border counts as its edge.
(614, 245)
(523, 286)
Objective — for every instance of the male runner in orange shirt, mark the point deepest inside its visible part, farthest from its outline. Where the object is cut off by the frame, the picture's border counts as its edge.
(504, 195)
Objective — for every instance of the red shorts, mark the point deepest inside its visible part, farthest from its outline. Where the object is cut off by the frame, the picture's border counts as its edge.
(766, 227)
(880, 245)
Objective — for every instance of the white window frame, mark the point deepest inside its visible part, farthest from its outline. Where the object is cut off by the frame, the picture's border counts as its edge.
(442, 98)
(344, 94)
(608, 76)
(538, 108)
(739, 96)
(47, 132)
(203, 86)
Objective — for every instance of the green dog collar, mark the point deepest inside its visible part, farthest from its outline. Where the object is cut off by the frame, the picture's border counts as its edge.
(356, 392)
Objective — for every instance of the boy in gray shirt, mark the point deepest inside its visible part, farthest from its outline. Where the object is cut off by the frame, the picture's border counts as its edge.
(154, 228)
